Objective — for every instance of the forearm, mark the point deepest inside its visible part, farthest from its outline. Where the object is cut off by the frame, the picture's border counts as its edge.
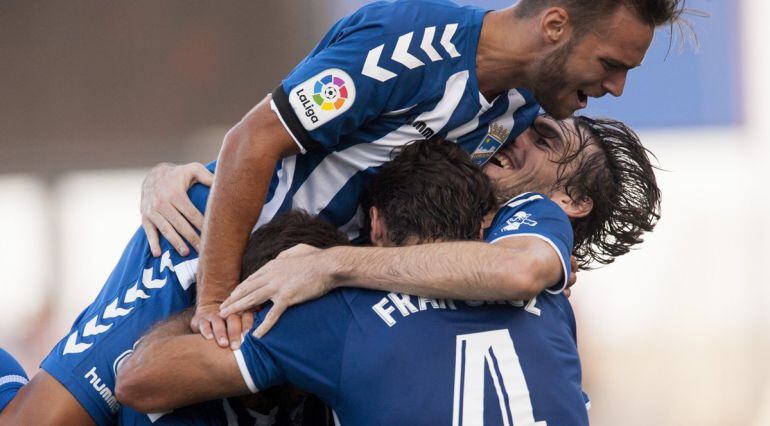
(142, 379)
(244, 169)
(170, 358)
(457, 270)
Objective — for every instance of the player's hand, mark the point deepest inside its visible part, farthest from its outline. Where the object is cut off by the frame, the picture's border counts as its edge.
(572, 277)
(165, 206)
(226, 331)
(297, 275)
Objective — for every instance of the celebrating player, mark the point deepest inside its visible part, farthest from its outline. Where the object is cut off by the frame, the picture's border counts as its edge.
(384, 358)
(395, 72)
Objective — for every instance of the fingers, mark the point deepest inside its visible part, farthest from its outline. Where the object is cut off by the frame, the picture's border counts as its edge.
(574, 268)
(567, 292)
(572, 279)
(219, 328)
(152, 237)
(204, 327)
(180, 223)
(169, 232)
(202, 175)
(270, 319)
(234, 330)
(190, 212)
(245, 301)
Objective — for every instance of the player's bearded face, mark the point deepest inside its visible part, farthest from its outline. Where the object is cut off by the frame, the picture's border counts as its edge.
(531, 163)
(550, 82)
(591, 64)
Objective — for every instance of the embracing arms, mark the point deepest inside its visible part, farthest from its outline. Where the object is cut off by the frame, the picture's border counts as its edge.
(512, 268)
(172, 367)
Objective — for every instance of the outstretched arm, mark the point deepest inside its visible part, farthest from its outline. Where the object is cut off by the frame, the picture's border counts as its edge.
(512, 268)
(170, 358)
(244, 169)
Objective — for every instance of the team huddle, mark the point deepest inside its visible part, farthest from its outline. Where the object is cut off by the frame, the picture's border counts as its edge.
(390, 235)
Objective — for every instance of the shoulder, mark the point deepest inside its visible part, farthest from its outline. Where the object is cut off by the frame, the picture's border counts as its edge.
(527, 209)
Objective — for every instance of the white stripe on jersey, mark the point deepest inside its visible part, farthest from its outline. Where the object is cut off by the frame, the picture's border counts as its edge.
(285, 179)
(245, 370)
(354, 226)
(338, 168)
(515, 101)
(466, 128)
(13, 378)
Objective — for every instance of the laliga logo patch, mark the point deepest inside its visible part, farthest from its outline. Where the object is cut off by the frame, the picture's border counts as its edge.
(322, 97)
(330, 92)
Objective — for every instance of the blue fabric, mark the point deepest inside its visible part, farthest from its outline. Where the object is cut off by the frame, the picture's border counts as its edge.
(536, 215)
(12, 378)
(140, 291)
(402, 367)
(386, 358)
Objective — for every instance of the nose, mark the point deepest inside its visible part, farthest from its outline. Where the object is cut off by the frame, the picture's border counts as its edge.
(615, 83)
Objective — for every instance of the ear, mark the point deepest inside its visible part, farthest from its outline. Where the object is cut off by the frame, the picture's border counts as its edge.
(575, 209)
(555, 25)
(379, 231)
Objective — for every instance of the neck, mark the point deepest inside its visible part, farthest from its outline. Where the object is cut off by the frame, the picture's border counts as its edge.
(506, 52)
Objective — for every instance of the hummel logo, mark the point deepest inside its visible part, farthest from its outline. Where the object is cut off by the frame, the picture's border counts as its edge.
(102, 389)
(423, 128)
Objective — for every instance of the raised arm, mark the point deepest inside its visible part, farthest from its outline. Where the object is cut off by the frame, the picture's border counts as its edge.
(245, 166)
(170, 358)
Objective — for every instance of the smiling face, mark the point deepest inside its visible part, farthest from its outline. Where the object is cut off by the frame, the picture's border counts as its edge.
(535, 161)
(592, 64)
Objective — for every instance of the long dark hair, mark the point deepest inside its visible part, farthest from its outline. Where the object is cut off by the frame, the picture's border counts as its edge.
(620, 180)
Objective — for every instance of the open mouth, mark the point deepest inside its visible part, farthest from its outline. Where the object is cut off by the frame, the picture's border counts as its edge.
(503, 161)
(582, 98)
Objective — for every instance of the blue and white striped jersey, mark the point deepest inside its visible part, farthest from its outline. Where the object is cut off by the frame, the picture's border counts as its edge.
(381, 358)
(390, 73)
(534, 215)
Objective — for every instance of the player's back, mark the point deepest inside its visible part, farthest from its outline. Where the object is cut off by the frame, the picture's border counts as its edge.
(426, 361)
(386, 358)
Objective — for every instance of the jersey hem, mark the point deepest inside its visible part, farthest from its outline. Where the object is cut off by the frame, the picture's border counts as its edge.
(245, 373)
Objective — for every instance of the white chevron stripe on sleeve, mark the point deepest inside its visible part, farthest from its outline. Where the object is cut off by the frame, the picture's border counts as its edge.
(401, 53)
(165, 261)
(92, 328)
(148, 282)
(427, 44)
(134, 293)
(73, 347)
(113, 311)
(446, 40)
(371, 69)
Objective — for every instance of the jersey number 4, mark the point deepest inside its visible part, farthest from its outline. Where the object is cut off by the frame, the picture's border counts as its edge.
(493, 350)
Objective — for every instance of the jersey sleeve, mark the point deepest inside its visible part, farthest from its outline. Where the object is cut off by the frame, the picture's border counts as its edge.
(305, 348)
(535, 215)
(355, 75)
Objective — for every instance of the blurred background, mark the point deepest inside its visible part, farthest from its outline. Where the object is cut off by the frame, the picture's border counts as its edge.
(94, 93)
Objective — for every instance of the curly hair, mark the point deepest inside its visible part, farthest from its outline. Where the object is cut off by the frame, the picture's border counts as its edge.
(620, 180)
(284, 232)
(431, 190)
